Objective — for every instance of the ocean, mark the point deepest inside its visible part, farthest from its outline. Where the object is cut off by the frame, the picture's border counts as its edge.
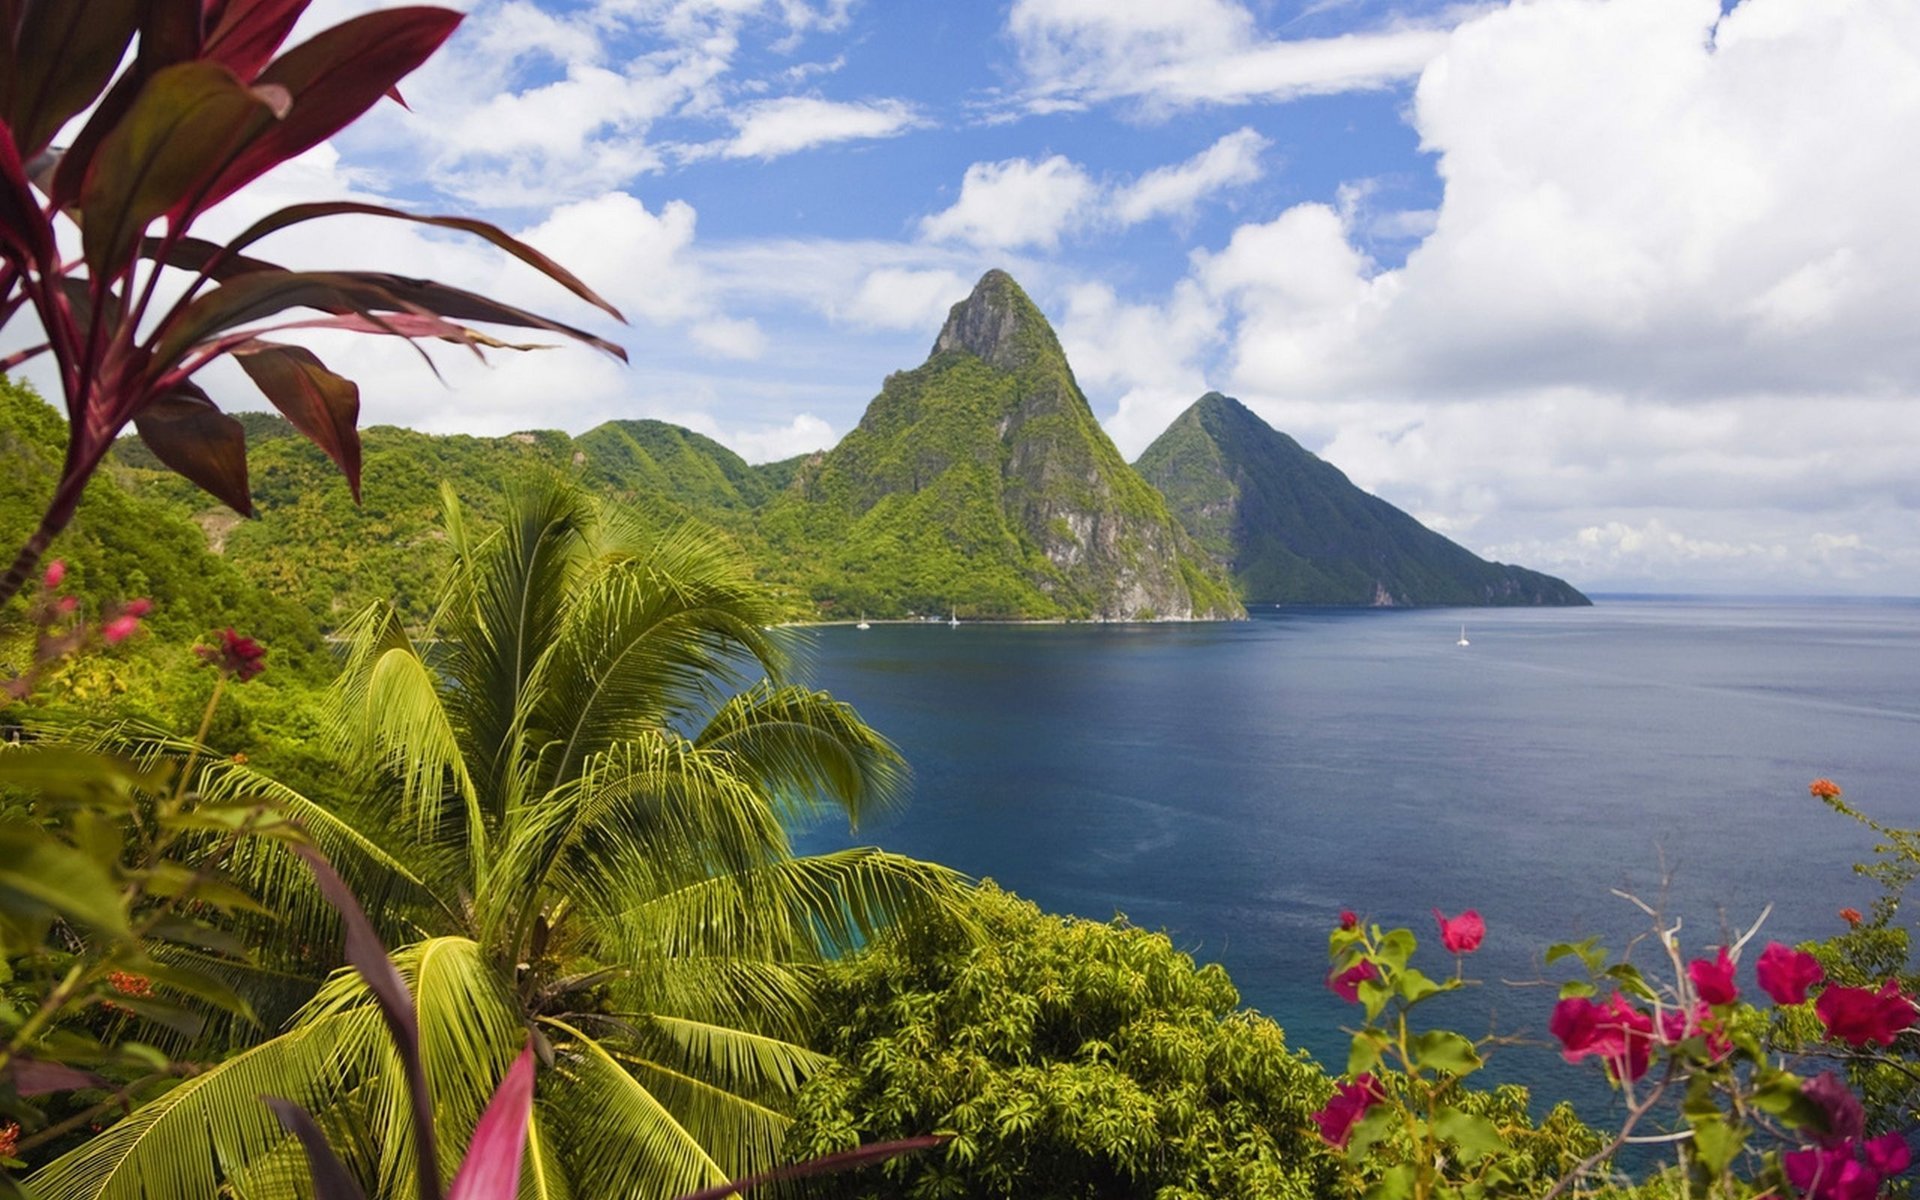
(1238, 784)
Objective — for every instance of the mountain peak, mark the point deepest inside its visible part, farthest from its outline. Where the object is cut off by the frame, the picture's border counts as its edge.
(997, 324)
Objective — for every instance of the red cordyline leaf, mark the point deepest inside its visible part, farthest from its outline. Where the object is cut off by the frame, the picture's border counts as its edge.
(296, 213)
(332, 79)
(331, 1179)
(322, 405)
(194, 438)
(24, 236)
(846, 1160)
(491, 1170)
(34, 1077)
(369, 957)
(245, 34)
(64, 54)
(180, 128)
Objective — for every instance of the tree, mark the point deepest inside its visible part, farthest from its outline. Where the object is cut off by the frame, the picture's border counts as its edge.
(1070, 1059)
(204, 105)
(575, 828)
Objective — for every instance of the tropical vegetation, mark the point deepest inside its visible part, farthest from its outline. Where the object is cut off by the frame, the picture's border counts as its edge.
(571, 797)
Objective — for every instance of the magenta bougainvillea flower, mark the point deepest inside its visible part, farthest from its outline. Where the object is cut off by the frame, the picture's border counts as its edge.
(235, 655)
(56, 571)
(1615, 1032)
(1346, 984)
(1677, 1025)
(1837, 1173)
(1461, 934)
(1349, 919)
(1786, 973)
(1350, 1102)
(1857, 1016)
(1839, 1108)
(1713, 981)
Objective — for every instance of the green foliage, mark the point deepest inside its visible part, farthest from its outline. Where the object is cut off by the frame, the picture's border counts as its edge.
(572, 820)
(1068, 1058)
(1293, 530)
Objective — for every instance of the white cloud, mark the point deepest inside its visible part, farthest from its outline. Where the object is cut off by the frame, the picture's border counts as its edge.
(1175, 191)
(1170, 56)
(898, 298)
(757, 444)
(1019, 202)
(772, 128)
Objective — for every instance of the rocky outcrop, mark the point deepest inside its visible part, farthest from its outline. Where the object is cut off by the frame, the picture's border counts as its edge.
(981, 481)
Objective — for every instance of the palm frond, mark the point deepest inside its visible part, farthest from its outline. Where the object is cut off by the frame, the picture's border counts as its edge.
(741, 1135)
(652, 640)
(188, 1141)
(808, 750)
(747, 1064)
(620, 1139)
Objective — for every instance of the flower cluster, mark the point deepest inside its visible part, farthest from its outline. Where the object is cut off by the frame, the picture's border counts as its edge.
(235, 656)
(129, 984)
(9, 1139)
(1842, 1164)
(60, 630)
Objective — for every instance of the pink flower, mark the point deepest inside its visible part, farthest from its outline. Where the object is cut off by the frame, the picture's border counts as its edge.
(1888, 1154)
(1714, 980)
(56, 571)
(1461, 934)
(1830, 1174)
(1616, 1032)
(1839, 1108)
(1857, 1016)
(66, 606)
(1350, 1102)
(1346, 984)
(1349, 919)
(1834, 1172)
(119, 629)
(138, 608)
(235, 655)
(1786, 974)
(1677, 1025)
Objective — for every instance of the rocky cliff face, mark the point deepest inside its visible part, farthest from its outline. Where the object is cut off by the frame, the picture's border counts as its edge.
(1293, 530)
(981, 481)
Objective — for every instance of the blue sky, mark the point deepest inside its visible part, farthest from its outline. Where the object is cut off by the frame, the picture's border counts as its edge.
(1627, 290)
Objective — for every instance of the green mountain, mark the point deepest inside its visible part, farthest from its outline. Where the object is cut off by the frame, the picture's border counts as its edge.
(1293, 530)
(981, 483)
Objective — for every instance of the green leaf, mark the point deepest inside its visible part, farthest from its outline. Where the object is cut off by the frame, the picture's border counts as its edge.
(1576, 987)
(1715, 1142)
(1589, 952)
(1444, 1050)
(1364, 1055)
(1397, 947)
(1631, 981)
(40, 869)
(1474, 1137)
(1395, 1183)
(1414, 985)
(1374, 996)
(1778, 1094)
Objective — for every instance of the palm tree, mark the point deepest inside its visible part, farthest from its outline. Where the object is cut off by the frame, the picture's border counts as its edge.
(574, 826)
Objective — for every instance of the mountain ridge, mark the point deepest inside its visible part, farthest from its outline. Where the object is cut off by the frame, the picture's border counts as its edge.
(1291, 528)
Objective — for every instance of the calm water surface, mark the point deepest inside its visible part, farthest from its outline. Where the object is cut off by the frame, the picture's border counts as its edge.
(1238, 784)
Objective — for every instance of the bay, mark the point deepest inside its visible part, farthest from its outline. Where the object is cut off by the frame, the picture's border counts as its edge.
(1238, 784)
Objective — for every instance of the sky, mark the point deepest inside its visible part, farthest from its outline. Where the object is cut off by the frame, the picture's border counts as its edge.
(1623, 290)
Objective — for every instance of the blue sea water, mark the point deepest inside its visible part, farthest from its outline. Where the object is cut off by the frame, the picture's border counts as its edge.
(1238, 784)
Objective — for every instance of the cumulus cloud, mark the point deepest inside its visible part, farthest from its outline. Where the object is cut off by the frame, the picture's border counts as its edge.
(1175, 191)
(771, 128)
(1015, 203)
(1172, 56)
(898, 298)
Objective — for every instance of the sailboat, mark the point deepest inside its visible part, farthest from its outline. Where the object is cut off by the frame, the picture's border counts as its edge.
(863, 622)
(953, 618)
(1463, 637)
